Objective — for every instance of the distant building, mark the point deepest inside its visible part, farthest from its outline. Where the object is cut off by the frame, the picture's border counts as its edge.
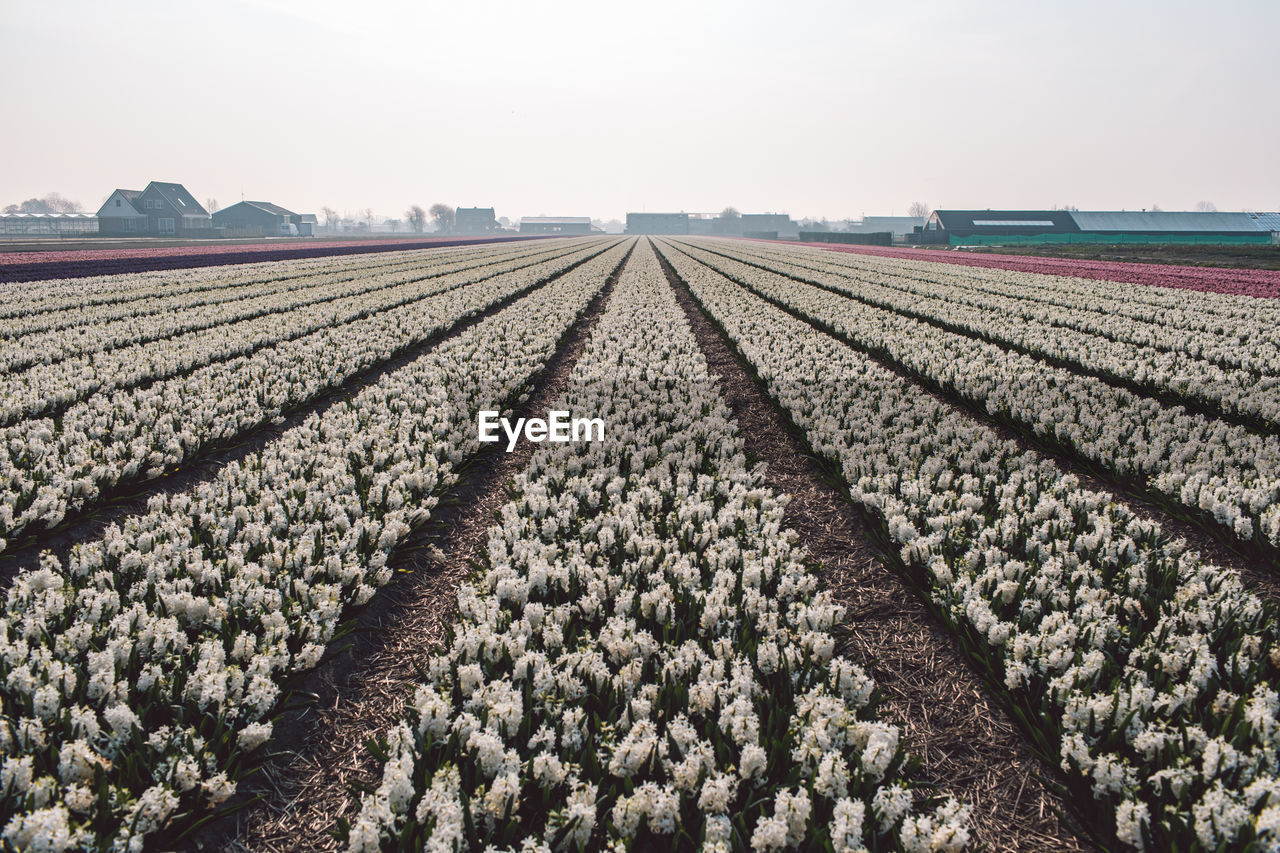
(898, 226)
(118, 216)
(703, 225)
(261, 219)
(555, 225)
(474, 220)
(979, 227)
(657, 223)
(47, 224)
(769, 225)
(160, 210)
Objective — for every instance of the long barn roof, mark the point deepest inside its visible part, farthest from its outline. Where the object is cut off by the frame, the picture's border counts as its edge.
(1106, 221)
(1160, 220)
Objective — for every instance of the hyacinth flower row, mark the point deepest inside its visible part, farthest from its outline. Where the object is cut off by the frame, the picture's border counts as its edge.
(1134, 299)
(97, 335)
(46, 389)
(1186, 352)
(178, 290)
(1208, 324)
(1205, 468)
(202, 288)
(1234, 351)
(1251, 394)
(18, 300)
(49, 467)
(645, 657)
(135, 679)
(1147, 673)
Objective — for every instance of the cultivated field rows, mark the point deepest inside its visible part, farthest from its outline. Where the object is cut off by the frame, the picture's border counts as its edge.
(645, 644)
(184, 290)
(1200, 465)
(92, 332)
(1146, 673)
(53, 384)
(1215, 338)
(1184, 370)
(140, 674)
(21, 300)
(50, 466)
(1125, 296)
(646, 656)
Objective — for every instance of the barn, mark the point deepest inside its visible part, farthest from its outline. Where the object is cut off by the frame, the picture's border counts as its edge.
(771, 226)
(555, 225)
(474, 220)
(1012, 227)
(258, 219)
(657, 223)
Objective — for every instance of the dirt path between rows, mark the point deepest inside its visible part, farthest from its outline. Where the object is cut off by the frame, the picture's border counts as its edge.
(967, 744)
(131, 498)
(322, 754)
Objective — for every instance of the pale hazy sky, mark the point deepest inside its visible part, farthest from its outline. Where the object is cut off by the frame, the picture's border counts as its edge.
(596, 108)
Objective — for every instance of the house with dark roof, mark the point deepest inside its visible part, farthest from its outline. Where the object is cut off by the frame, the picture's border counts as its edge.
(263, 219)
(474, 220)
(118, 216)
(160, 210)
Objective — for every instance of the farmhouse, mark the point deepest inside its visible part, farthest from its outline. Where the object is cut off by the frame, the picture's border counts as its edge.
(160, 210)
(984, 227)
(555, 225)
(474, 220)
(262, 219)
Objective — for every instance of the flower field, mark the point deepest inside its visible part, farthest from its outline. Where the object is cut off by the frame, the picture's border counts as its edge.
(1079, 478)
(76, 263)
(1263, 284)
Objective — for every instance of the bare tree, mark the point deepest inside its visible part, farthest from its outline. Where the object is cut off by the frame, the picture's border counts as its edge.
(367, 216)
(51, 203)
(730, 213)
(442, 215)
(919, 210)
(417, 218)
(331, 220)
(211, 205)
(1206, 207)
(394, 225)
